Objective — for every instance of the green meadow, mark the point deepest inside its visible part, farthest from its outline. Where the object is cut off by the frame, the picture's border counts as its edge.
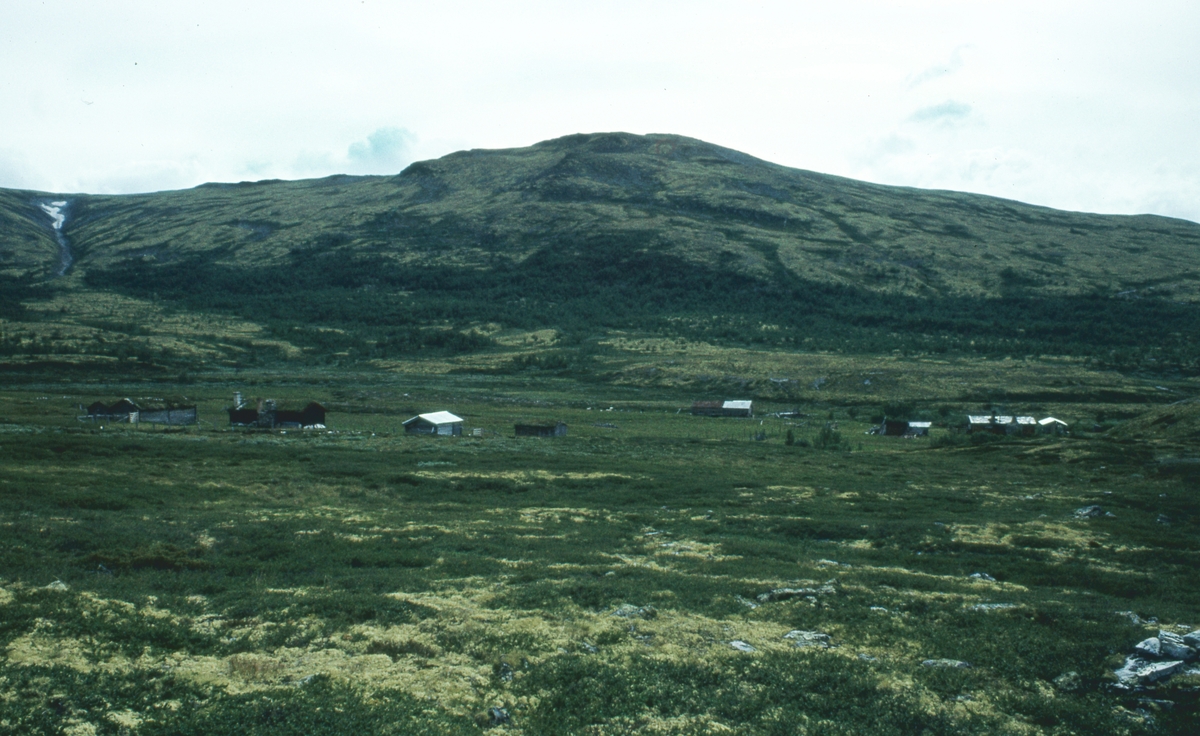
(652, 572)
(216, 580)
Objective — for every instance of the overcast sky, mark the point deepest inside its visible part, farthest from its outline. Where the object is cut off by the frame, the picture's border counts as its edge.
(1091, 106)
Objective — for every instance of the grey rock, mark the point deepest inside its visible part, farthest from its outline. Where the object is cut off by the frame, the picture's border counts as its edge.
(983, 576)
(1192, 639)
(992, 606)
(1135, 619)
(590, 648)
(1068, 682)
(1089, 512)
(58, 585)
(627, 610)
(867, 658)
(505, 672)
(498, 716)
(1138, 671)
(1174, 647)
(1164, 519)
(1149, 648)
(742, 646)
(955, 663)
(809, 638)
(783, 594)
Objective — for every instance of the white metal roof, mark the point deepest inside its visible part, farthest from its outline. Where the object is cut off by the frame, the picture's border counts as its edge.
(976, 419)
(1052, 420)
(920, 425)
(437, 417)
(737, 405)
(1026, 420)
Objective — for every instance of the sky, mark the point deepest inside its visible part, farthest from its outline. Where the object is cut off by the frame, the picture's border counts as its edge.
(1086, 106)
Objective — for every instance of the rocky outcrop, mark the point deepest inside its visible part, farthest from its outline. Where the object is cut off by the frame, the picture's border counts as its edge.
(1158, 658)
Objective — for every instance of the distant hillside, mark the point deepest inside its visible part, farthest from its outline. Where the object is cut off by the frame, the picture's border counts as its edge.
(662, 234)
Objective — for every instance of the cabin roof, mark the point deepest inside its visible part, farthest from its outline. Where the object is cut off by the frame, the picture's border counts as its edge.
(437, 417)
(737, 404)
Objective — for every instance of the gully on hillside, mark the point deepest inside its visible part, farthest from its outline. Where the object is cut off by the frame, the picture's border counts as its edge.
(56, 212)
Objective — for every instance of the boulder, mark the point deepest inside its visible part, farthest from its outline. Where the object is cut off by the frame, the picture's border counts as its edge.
(809, 638)
(1149, 648)
(1089, 512)
(627, 610)
(982, 576)
(1068, 682)
(783, 594)
(1137, 671)
(955, 663)
(498, 716)
(1192, 639)
(1174, 647)
(741, 646)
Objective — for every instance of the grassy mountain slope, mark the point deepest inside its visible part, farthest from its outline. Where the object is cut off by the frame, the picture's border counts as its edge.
(703, 203)
(591, 233)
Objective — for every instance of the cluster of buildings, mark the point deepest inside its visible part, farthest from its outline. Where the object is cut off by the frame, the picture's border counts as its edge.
(266, 414)
(990, 423)
(126, 410)
(1001, 424)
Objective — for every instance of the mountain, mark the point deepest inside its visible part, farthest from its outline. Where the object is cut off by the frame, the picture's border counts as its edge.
(660, 233)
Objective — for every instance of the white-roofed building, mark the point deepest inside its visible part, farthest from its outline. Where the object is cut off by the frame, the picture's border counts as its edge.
(737, 408)
(439, 422)
(1050, 425)
(1023, 426)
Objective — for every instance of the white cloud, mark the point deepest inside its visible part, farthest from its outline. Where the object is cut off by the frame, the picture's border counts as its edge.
(895, 91)
(949, 112)
(385, 151)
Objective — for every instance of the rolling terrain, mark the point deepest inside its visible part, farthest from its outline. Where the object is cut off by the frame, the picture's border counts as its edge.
(662, 235)
(652, 572)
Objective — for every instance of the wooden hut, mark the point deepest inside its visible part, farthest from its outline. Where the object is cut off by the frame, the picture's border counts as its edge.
(918, 429)
(1024, 426)
(554, 429)
(121, 411)
(441, 423)
(1050, 425)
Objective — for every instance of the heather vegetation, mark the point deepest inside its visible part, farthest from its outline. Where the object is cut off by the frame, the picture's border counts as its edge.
(652, 572)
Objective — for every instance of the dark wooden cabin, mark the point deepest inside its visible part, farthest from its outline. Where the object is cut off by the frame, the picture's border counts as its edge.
(558, 429)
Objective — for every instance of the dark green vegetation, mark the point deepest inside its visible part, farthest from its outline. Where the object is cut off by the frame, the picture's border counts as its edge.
(360, 581)
(219, 582)
(663, 235)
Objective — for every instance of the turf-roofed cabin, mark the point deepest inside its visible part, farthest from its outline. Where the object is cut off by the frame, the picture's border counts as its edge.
(439, 422)
(117, 412)
(268, 416)
(545, 429)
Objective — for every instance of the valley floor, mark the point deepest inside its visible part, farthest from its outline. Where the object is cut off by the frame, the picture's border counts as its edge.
(651, 572)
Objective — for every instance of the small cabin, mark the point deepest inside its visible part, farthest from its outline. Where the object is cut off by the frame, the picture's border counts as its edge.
(1024, 426)
(723, 408)
(918, 429)
(989, 423)
(556, 429)
(892, 427)
(268, 416)
(1050, 425)
(121, 411)
(441, 423)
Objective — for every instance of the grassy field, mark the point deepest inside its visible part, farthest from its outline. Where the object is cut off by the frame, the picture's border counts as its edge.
(614, 581)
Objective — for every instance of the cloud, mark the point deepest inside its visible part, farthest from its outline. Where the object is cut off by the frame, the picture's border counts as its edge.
(946, 113)
(950, 66)
(385, 151)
